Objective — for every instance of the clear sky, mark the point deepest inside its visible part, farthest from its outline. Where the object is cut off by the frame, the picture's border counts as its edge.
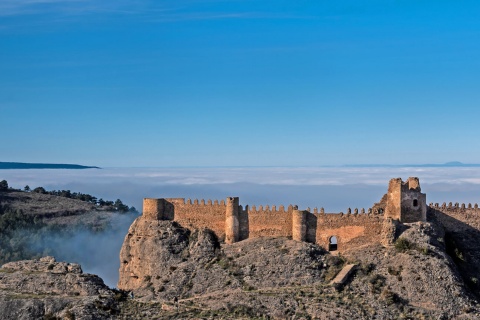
(233, 83)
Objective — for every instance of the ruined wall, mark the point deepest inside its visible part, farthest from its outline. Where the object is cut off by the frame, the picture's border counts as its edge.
(414, 203)
(414, 206)
(232, 223)
(269, 221)
(199, 214)
(394, 202)
(405, 202)
(350, 230)
(464, 215)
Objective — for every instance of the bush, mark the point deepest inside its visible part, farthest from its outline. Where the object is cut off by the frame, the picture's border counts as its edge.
(367, 268)
(334, 265)
(3, 185)
(40, 190)
(377, 282)
(395, 272)
(403, 245)
(120, 295)
(389, 297)
(453, 249)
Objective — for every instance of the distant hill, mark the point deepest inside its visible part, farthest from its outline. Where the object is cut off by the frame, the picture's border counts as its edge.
(428, 165)
(21, 165)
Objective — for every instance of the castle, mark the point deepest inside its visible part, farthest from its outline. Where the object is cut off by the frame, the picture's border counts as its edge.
(403, 203)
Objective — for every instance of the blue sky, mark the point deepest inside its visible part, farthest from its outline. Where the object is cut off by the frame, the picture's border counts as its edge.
(234, 83)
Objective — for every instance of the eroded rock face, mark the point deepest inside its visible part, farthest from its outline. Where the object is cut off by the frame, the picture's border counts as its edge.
(191, 275)
(417, 273)
(161, 260)
(34, 289)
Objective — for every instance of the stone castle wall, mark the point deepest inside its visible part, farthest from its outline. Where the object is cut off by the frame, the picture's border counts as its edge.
(231, 222)
(351, 230)
(266, 221)
(463, 215)
(403, 203)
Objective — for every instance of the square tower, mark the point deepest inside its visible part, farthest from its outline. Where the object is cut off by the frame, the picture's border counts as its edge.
(405, 201)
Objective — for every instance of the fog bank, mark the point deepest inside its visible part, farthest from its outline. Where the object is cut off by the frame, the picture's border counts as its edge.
(334, 188)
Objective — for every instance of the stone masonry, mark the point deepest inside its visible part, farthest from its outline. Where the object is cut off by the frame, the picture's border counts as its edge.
(231, 222)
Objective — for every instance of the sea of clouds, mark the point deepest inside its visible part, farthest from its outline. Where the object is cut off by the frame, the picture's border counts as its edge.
(334, 188)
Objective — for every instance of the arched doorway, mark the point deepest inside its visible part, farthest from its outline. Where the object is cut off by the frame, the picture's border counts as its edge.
(333, 243)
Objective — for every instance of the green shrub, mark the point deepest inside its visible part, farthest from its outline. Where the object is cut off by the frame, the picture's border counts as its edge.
(367, 268)
(389, 297)
(403, 245)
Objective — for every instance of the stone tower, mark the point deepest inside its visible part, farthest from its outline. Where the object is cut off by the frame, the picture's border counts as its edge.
(153, 209)
(299, 225)
(405, 201)
(232, 223)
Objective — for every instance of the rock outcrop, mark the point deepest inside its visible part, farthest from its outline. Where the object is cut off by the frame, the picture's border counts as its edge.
(45, 289)
(190, 274)
(161, 260)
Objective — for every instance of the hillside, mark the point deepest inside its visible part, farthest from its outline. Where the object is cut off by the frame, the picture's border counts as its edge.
(46, 289)
(280, 279)
(43, 205)
(54, 204)
(175, 273)
(40, 222)
(429, 271)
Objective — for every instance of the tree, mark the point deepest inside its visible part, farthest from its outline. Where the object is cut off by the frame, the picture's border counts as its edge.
(39, 190)
(119, 206)
(27, 188)
(3, 185)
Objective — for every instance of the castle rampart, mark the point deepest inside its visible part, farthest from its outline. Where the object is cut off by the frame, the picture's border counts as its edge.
(231, 222)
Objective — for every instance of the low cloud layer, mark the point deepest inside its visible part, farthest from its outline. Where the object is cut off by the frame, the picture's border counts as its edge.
(334, 188)
(97, 252)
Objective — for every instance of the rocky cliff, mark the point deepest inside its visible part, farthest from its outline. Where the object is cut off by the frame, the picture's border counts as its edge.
(46, 289)
(176, 273)
(189, 274)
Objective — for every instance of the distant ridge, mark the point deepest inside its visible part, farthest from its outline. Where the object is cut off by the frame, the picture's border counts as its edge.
(21, 165)
(429, 165)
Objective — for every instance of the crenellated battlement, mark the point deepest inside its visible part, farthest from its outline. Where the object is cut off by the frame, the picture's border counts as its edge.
(196, 202)
(272, 209)
(232, 222)
(454, 206)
